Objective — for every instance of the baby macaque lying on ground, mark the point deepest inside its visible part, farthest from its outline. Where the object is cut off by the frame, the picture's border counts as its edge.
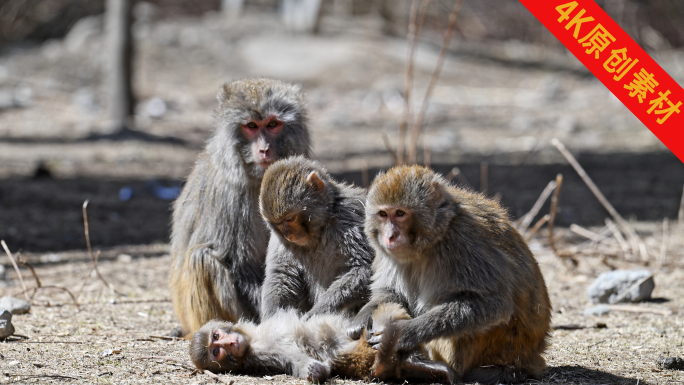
(315, 349)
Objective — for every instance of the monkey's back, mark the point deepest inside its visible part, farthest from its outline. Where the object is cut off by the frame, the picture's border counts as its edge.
(520, 341)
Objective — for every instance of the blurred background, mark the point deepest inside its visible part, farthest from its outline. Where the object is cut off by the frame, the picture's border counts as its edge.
(506, 89)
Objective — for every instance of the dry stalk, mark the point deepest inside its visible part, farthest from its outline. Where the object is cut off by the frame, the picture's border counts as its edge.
(415, 131)
(635, 241)
(415, 27)
(527, 218)
(388, 147)
(456, 173)
(666, 239)
(536, 227)
(552, 219)
(187, 365)
(93, 258)
(618, 236)
(364, 175)
(24, 262)
(427, 155)
(16, 268)
(35, 290)
(586, 233)
(484, 176)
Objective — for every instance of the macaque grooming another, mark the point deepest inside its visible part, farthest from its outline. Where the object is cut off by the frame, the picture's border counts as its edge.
(318, 260)
(451, 258)
(315, 349)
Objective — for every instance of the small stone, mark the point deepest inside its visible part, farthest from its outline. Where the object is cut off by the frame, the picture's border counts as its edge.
(671, 363)
(618, 286)
(14, 305)
(6, 327)
(597, 310)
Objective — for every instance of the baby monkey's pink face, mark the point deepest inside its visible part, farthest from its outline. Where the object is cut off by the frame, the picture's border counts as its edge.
(223, 343)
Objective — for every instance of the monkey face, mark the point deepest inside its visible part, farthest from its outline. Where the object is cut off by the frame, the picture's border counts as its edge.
(292, 229)
(262, 135)
(393, 224)
(226, 345)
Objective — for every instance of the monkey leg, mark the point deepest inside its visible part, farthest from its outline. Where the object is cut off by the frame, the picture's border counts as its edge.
(200, 288)
(417, 368)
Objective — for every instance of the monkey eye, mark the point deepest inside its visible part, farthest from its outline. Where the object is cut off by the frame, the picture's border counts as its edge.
(252, 125)
(215, 336)
(272, 123)
(216, 352)
(382, 214)
(400, 213)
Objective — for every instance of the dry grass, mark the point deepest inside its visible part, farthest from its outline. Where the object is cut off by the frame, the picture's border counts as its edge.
(99, 342)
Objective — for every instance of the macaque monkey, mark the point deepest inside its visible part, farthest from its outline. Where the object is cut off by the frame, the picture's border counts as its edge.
(451, 258)
(318, 260)
(315, 349)
(218, 238)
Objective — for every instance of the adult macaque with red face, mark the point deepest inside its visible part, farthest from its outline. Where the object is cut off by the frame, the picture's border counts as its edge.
(451, 258)
(218, 238)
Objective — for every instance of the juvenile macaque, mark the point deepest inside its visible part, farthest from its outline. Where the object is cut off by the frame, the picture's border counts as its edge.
(218, 239)
(318, 260)
(451, 258)
(315, 349)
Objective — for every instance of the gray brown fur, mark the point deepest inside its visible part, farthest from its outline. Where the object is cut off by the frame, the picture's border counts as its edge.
(472, 287)
(332, 272)
(218, 239)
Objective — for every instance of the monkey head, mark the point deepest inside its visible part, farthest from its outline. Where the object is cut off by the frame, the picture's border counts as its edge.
(218, 346)
(408, 209)
(263, 120)
(295, 200)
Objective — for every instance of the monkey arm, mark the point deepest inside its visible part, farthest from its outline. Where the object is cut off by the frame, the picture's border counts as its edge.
(352, 288)
(284, 287)
(466, 312)
(363, 320)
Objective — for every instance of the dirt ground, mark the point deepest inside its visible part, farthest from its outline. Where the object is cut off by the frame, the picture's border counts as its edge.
(103, 339)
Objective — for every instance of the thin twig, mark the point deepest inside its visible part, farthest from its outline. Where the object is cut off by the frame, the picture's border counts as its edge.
(484, 176)
(537, 226)
(554, 207)
(90, 250)
(415, 27)
(527, 218)
(24, 262)
(35, 290)
(388, 146)
(16, 268)
(26, 376)
(639, 309)
(594, 237)
(456, 173)
(187, 365)
(637, 244)
(618, 236)
(415, 131)
(364, 175)
(666, 239)
(168, 338)
(427, 155)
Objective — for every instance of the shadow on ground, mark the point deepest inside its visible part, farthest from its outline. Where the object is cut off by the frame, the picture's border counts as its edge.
(580, 375)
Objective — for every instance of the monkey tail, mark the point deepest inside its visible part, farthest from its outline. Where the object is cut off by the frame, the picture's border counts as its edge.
(496, 374)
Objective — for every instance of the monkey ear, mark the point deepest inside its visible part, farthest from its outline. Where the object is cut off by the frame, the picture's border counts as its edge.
(440, 193)
(223, 93)
(315, 182)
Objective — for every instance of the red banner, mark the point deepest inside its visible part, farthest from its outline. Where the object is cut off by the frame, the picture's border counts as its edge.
(619, 63)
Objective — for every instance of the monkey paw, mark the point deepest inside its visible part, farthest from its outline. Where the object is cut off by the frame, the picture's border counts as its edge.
(355, 332)
(318, 372)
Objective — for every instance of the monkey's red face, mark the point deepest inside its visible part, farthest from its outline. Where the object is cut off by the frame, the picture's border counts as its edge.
(394, 228)
(224, 343)
(262, 135)
(292, 229)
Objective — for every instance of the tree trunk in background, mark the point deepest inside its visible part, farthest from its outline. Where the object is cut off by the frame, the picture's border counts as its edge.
(232, 8)
(301, 15)
(118, 22)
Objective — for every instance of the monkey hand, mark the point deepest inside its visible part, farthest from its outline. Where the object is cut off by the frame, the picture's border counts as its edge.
(409, 337)
(318, 372)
